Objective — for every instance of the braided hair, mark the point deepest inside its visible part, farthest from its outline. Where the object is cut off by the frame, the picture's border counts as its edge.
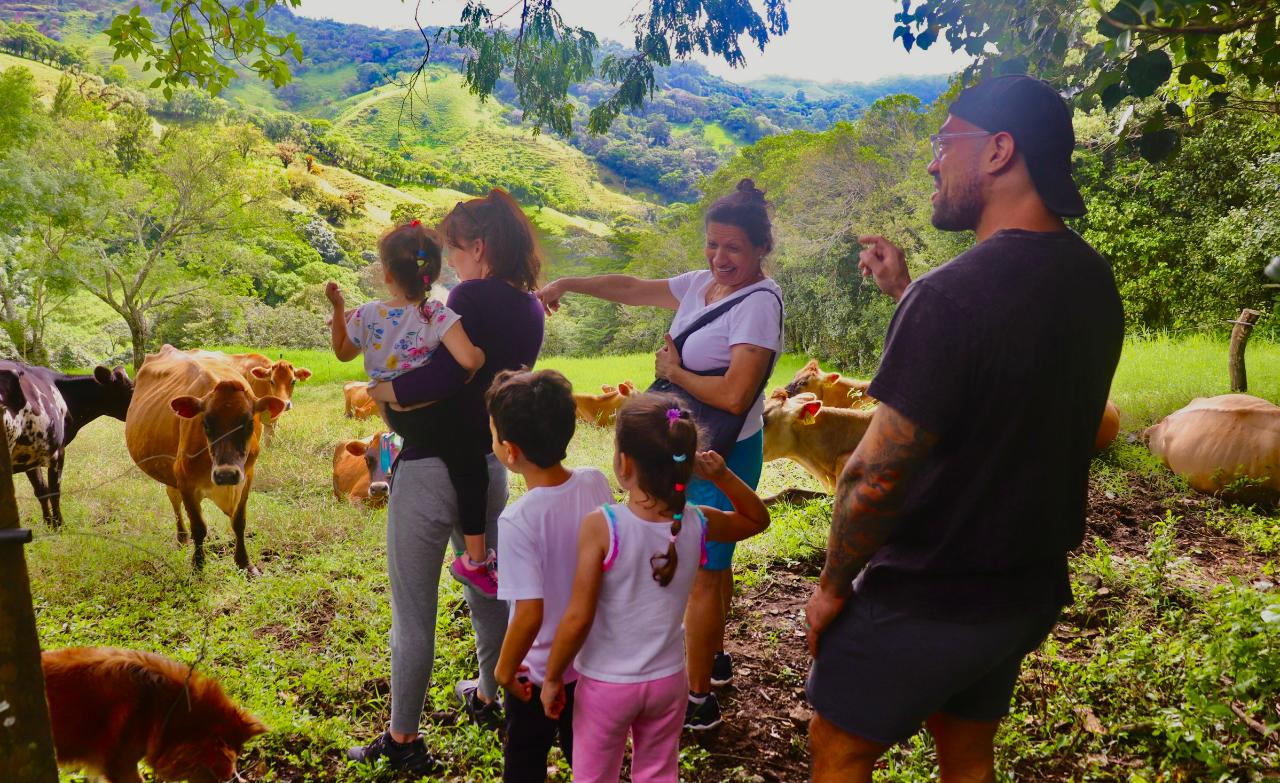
(411, 253)
(659, 434)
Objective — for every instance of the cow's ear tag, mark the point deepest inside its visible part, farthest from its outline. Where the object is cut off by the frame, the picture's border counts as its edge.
(809, 412)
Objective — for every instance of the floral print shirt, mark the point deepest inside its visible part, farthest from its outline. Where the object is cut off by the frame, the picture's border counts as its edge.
(396, 339)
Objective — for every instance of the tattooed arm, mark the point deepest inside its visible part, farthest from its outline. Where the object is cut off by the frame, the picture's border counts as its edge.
(869, 497)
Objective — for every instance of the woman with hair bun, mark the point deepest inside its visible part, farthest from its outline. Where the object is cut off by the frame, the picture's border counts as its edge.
(717, 356)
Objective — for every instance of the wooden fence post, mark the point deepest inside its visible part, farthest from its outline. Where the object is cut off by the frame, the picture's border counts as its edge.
(1239, 339)
(26, 739)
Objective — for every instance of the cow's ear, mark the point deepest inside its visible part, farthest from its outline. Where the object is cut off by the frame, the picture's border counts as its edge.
(356, 448)
(626, 388)
(302, 373)
(11, 391)
(812, 365)
(274, 405)
(809, 412)
(102, 375)
(120, 375)
(187, 407)
(261, 373)
(607, 389)
(778, 394)
(831, 378)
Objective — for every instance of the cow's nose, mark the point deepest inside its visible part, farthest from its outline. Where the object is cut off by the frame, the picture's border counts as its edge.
(288, 405)
(225, 476)
(378, 489)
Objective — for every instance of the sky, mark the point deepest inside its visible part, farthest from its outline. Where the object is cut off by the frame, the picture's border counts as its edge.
(828, 40)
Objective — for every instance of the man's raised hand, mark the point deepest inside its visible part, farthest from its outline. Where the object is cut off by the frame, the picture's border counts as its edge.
(886, 263)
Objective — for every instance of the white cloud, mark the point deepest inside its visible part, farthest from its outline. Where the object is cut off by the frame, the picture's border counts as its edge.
(829, 40)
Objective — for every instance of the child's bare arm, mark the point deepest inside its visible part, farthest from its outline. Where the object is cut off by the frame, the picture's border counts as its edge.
(339, 340)
(749, 516)
(521, 633)
(465, 352)
(593, 543)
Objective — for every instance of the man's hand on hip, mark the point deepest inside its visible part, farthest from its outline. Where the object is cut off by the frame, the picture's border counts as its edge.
(824, 606)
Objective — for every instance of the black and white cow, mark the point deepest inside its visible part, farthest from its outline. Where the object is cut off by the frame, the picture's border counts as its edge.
(43, 412)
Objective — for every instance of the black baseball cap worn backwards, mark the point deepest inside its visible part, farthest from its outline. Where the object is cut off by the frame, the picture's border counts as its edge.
(1039, 120)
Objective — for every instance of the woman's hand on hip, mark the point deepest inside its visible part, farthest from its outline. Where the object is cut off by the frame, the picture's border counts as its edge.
(550, 295)
(667, 360)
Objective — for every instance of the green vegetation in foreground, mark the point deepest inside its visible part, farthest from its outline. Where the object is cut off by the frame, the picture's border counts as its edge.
(1140, 682)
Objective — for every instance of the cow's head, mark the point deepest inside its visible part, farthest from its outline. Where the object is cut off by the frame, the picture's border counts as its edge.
(282, 375)
(810, 379)
(117, 390)
(783, 417)
(226, 414)
(379, 459)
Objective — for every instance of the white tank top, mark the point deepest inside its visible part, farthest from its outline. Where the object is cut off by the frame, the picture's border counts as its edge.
(638, 632)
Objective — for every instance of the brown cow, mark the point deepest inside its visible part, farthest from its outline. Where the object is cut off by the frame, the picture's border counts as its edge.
(831, 388)
(356, 400)
(358, 475)
(266, 378)
(601, 409)
(1109, 428)
(1216, 441)
(817, 437)
(193, 425)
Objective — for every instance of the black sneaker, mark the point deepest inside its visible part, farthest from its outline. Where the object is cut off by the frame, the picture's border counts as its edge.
(486, 715)
(700, 717)
(409, 757)
(721, 669)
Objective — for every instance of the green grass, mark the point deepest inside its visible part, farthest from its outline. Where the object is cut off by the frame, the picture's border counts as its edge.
(46, 77)
(713, 133)
(1158, 647)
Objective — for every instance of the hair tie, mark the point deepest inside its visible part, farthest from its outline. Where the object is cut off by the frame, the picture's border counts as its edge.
(679, 487)
(679, 457)
(672, 538)
(672, 415)
(426, 279)
(415, 223)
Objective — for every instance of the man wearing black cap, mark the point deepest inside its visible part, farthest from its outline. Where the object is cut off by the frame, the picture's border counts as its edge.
(947, 560)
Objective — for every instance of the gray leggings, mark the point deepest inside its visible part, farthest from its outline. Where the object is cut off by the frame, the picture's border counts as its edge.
(422, 518)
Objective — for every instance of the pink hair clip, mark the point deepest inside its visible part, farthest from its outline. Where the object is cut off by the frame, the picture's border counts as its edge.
(673, 414)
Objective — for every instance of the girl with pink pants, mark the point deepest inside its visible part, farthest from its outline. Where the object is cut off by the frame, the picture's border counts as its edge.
(636, 565)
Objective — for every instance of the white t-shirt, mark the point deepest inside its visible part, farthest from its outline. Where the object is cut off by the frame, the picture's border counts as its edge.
(538, 553)
(757, 321)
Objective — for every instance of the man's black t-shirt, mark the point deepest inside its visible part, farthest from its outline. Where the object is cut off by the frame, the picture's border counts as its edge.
(1006, 353)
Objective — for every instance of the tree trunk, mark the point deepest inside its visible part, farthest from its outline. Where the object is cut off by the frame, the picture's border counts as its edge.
(138, 335)
(1239, 339)
(26, 738)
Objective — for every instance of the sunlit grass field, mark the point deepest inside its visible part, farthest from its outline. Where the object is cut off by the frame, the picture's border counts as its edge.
(304, 646)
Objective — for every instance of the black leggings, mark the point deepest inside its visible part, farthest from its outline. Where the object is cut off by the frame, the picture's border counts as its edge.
(469, 474)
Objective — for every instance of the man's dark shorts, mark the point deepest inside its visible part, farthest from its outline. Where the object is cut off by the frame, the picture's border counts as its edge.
(880, 673)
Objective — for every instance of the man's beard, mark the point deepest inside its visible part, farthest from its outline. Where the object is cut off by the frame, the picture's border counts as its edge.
(959, 207)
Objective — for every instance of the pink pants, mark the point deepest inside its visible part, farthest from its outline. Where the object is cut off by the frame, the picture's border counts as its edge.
(605, 712)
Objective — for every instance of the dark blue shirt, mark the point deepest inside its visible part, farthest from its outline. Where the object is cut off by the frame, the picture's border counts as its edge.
(502, 321)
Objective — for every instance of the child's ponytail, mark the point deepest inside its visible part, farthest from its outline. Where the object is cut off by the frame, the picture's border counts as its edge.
(659, 434)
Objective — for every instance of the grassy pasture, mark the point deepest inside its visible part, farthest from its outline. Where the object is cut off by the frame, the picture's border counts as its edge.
(1163, 618)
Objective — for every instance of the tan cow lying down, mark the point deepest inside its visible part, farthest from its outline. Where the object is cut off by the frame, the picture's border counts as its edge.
(601, 409)
(356, 402)
(1109, 428)
(193, 425)
(358, 476)
(817, 437)
(1216, 441)
(831, 388)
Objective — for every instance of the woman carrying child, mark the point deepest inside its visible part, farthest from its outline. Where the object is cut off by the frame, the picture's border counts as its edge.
(492, 247)
(636, 566)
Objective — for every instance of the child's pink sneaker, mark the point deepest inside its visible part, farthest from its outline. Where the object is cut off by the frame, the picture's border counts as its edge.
(481, 576)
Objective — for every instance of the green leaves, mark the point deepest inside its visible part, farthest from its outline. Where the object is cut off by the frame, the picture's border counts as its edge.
(1148, 71)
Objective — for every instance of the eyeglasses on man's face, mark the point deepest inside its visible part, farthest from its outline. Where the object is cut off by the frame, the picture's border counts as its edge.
(937, 139)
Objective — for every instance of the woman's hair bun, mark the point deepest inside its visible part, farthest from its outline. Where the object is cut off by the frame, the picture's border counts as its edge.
(746, 185)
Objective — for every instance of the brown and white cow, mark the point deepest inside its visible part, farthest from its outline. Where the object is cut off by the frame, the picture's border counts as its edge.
(359, 476)
(831, 388)
(1215, 441)
(356, 400)
(193, 425)
(602, 409)
(44, 411)
(817, 437)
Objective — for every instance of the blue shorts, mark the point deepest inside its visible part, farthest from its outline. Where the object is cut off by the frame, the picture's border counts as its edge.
(880, 673)
(747, 461)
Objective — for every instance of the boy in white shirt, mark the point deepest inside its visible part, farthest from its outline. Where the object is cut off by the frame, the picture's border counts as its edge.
(532, 418)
